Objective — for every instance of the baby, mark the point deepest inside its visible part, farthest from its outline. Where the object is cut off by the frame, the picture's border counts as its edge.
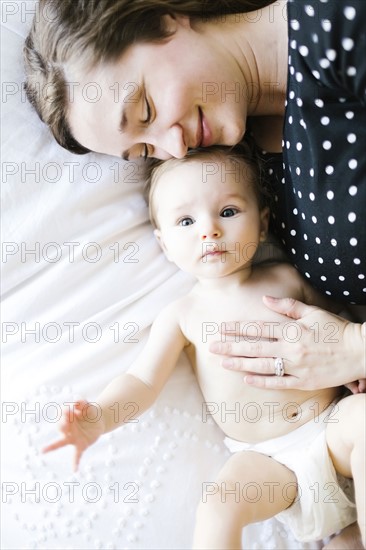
(210, 216)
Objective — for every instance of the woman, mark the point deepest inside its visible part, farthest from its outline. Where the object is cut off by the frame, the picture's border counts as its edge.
(155, 78)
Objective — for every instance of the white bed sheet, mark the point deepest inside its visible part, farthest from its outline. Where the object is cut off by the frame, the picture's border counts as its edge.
(82, 280)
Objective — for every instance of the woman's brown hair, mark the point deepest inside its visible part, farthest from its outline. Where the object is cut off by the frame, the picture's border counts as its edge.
(94, 31)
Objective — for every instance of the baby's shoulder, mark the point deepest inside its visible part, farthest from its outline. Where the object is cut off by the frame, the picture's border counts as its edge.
(279, 270)
(280, 278)
(176, 309)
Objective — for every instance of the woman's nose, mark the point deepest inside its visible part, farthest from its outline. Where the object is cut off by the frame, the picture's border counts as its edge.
(171, 143)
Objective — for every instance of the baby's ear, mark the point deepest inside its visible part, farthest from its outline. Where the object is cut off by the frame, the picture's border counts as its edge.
(264, 223)
(160, 240)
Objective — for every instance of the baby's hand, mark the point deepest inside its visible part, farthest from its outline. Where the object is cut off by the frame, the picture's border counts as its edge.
(357, 387)
(79, 428)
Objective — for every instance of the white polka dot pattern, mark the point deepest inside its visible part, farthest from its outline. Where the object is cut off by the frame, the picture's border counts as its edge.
(321, 221)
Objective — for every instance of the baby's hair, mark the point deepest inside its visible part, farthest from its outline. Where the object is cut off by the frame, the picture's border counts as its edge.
(241, 156)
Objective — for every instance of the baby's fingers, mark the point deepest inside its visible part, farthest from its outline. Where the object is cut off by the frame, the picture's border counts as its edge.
(56, 445)
(77, 457)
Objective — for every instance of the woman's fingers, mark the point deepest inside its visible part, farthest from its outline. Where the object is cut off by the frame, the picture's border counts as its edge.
(273, 382)
(246, 349)
(268, 330)
(263, 366)
(315, 346)
(288, 306)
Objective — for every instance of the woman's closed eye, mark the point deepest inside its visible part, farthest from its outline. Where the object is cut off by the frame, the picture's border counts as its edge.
(229, 211)
(146, 120)
(145, 154)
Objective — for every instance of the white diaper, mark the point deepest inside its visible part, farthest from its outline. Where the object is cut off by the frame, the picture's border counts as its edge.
(322, 506)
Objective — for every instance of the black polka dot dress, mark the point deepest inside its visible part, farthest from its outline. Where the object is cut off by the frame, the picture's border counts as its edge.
(319, 184)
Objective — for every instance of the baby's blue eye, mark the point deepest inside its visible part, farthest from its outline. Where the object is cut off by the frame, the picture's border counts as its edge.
(186, 221)
(228, 212)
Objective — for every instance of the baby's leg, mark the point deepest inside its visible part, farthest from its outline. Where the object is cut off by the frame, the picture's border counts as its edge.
(346, 439)
(251, 487)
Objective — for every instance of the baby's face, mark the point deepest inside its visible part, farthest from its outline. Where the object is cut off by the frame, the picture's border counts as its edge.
(209, 221)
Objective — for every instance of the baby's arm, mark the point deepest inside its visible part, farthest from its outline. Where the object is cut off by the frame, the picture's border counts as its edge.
(134, 390)
(141, 384)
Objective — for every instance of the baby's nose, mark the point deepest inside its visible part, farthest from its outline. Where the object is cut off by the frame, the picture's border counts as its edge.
(214, 234)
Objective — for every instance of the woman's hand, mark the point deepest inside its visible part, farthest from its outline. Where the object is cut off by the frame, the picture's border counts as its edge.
(81, 427)
(318, 349)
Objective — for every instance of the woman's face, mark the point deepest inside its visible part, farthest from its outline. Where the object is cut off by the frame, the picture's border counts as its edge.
(159, 100)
